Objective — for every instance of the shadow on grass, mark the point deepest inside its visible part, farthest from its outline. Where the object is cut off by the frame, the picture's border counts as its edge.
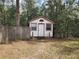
(42, 40)
(53, 40)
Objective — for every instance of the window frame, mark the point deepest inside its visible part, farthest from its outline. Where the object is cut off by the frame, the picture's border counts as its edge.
(47, 28)
(33, 27)
(41, 20)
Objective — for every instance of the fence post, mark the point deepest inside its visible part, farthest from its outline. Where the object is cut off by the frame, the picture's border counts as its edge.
(32, 35)
(50, 36)
(1, 34)
(7, 35)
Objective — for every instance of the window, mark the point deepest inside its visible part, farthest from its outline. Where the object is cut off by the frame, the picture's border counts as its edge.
(48, 27)
(33, 26)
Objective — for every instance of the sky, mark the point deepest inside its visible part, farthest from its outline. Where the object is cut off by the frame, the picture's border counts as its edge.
(40, 2)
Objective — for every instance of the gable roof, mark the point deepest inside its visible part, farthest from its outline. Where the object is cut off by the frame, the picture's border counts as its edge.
(43, 18)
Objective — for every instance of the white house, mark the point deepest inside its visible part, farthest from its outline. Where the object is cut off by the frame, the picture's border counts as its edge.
(41, 27)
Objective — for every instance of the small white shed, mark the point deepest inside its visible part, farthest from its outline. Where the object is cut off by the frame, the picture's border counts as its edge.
(41, 27)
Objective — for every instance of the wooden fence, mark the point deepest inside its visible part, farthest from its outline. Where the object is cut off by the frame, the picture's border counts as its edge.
(11, 33)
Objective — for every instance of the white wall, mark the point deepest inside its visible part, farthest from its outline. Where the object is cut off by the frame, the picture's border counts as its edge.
(46, 34)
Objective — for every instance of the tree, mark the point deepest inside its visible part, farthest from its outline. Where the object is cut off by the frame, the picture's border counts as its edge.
(1, 13)
(10, 16)
(62, 14)
(17, 13)
(30, 10)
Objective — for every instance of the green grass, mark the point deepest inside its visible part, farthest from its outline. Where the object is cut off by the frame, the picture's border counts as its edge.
(41, 49)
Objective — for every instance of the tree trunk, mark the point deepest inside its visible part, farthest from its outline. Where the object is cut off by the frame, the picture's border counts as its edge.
(17, 19)
(17, 13)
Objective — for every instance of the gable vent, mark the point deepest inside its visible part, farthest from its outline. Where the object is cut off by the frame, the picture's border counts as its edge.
(41, 20)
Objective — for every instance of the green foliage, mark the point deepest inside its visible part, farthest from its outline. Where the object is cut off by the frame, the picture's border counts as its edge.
(10, 16)
(1, 11)
(23, 19)
(29, 11)
(65, 16)
(7, 14)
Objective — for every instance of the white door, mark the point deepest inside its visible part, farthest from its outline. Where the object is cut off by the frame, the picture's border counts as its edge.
(41, 30)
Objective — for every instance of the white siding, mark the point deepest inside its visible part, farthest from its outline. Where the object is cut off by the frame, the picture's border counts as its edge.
(49, 33)
(46, 33)
(33, 33)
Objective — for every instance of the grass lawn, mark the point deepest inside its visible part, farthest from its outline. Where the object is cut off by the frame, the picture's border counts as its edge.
(44, 49)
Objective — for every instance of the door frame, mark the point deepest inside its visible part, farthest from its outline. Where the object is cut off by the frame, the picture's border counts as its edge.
(43, 29)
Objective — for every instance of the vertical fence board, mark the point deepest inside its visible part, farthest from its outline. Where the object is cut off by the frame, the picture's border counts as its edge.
(12, 33)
